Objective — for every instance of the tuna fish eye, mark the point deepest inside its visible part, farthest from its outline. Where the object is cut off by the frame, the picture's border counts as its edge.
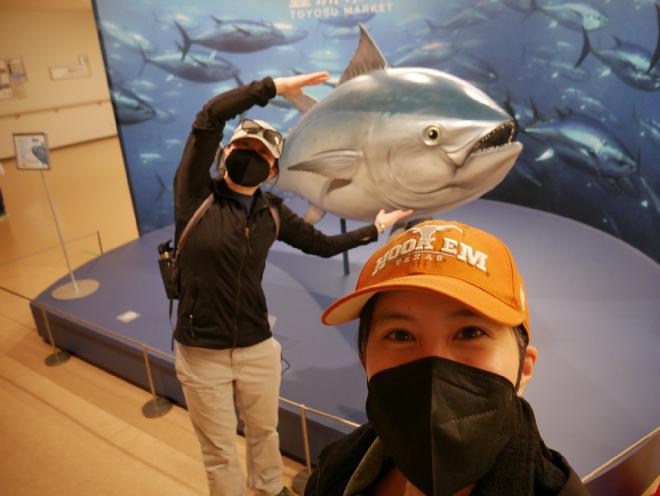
(431, 135)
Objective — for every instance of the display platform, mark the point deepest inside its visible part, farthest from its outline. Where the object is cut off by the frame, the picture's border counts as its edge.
(595, 308)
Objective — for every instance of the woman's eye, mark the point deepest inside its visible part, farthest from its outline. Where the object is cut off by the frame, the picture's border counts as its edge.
(399, 335)
(470, 333)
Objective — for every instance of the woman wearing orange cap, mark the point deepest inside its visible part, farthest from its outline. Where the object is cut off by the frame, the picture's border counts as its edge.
(443, 335)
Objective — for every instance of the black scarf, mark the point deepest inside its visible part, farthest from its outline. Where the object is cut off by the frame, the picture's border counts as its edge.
(526, 466)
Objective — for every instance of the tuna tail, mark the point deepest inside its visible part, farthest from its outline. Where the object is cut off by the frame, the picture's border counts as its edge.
(145, 61)
(656, 54)
(535, 112)
(586, 48)
(508, 106)
(187, 42)
(238, 80)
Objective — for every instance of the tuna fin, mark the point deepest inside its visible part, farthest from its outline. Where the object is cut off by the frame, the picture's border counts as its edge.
(536, 115)
(335, 164)
(145, 61)
(187, 42)
(367, 58)
(586, 48)
(199, 62)
(336, 184)
(547, 154)
(432, 27)
(313, 214)
(241, 30)
(217, 20)
(301, 101)
(656, 54)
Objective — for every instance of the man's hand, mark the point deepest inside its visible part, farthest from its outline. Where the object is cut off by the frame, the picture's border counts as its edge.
(292, 85)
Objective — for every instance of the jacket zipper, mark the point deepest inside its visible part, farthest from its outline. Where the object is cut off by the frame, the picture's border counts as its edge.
(246, 234)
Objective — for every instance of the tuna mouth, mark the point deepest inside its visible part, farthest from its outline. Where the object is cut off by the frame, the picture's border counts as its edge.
(502, 135)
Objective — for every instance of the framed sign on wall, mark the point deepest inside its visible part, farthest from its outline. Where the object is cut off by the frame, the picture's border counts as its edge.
(31, 151)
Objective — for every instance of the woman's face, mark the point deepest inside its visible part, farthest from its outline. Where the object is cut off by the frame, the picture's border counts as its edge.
(412, 324)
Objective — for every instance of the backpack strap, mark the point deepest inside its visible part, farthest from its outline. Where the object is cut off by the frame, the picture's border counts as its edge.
(276, 218)
(193, 222)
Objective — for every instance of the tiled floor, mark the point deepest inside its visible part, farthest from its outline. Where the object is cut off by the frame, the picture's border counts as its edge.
(75, 429)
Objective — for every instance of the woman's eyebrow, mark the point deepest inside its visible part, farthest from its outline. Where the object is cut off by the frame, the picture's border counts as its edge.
(465, 312)
(392, 315)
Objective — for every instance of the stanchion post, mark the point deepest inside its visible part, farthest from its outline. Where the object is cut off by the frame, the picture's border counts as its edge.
(347, 268)
(155, 407)
(303, 421)
(74, 283)
(58, 357)
(300, 480)
(98, 238)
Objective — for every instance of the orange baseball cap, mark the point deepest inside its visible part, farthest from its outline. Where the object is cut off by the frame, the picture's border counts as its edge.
(448, 258)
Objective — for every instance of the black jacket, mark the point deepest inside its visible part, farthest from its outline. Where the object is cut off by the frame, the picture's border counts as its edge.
(222, 304)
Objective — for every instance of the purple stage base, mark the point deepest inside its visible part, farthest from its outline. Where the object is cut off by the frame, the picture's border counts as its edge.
(595, 308)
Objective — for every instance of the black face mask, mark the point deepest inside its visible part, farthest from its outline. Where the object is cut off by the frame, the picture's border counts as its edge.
(247, 167)
(443, 423)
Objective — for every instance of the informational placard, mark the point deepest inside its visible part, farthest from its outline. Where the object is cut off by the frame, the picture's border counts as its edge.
(31, 151)
(71, 71)
(17, 71)
(5, 87)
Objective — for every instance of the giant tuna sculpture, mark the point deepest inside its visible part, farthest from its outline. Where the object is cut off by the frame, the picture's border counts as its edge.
(395, 138)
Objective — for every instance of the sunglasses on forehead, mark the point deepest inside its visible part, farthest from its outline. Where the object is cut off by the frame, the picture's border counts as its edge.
(273, 137)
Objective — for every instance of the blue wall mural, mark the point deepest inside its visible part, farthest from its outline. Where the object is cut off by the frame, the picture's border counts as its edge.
(579, 77)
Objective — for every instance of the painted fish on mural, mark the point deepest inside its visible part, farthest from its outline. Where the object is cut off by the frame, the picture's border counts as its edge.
(396, 138)
(131, 41)
(198, 68)
(632, 64)
(582, 141)
(572, 15)
(241, 36)
(130, 108)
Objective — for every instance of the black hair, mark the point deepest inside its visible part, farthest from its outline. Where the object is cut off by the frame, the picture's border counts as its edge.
(364, 326)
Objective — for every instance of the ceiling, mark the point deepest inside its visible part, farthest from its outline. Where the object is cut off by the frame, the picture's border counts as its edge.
(45, 5)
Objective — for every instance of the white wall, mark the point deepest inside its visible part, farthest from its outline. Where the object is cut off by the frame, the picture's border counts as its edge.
(70, 110)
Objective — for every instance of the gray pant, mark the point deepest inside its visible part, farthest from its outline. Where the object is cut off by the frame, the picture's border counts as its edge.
(212, 380)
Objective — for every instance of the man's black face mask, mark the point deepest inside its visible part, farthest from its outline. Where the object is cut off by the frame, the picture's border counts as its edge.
(247, 167)
(443, 423)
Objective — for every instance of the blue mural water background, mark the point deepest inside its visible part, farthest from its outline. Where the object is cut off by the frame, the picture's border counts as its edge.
(525, 60)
